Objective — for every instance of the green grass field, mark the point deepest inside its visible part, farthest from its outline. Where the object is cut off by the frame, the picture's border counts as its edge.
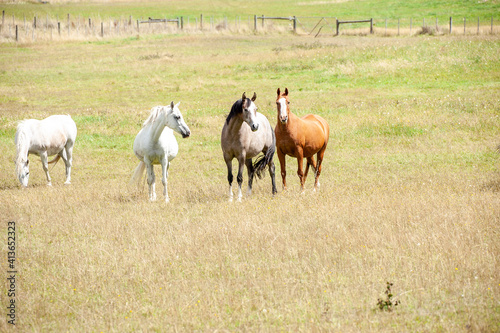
(409, 190)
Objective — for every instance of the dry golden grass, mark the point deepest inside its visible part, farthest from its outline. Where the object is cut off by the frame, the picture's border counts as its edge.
(409, 190)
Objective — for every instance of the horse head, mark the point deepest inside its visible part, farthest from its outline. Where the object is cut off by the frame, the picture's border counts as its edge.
(176, 122)
(249, 111)
(282, 104)
(23, 171)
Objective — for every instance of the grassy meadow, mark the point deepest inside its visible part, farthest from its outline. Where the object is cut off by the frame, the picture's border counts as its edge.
(409, 190)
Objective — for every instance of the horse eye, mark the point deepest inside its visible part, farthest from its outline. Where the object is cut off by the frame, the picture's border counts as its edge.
(288, 102)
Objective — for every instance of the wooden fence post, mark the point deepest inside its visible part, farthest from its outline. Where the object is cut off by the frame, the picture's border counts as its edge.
(262, 21)
(451, 24)
(102, 29)
(337, 24)
(3, 20)
(17, 34)
(59, 28)
(371, 25)
(255, 22)
(138, 30)
(295, 23)
(201, 22)
(182, 22)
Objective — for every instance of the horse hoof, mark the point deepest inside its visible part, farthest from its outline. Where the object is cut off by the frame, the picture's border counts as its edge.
(67, 183)
(239, 200)
(49, 184)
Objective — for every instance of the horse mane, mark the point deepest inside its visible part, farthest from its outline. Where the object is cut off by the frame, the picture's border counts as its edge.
(21, 142)
(155, 113)
(236, 109)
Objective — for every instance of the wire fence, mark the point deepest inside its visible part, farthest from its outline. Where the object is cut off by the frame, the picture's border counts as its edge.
(48, 28)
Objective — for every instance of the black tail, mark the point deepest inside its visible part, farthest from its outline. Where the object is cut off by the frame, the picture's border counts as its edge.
(260, 163)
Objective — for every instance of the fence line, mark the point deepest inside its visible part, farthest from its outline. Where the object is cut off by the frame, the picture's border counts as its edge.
(77, 27)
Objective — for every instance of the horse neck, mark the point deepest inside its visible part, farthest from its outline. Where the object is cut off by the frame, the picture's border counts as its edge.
(158, 125)
(235, 123)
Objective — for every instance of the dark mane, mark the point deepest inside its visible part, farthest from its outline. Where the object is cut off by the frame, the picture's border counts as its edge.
(236, 109)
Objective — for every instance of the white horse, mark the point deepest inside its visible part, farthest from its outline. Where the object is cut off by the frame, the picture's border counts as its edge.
(47, 137)
(156, 144)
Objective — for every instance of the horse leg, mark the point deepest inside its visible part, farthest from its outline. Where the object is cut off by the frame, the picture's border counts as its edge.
(320, 156)
(68, 161)
(64, 155)
(151, 179)
(272, 172)
(310, 162)
(251, 172)
(45, 166)
(239, 178)
(165, 164)
(300, 173)
(281, 157)
(229, 164)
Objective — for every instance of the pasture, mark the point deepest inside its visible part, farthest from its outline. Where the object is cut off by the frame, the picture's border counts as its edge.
(409, 189)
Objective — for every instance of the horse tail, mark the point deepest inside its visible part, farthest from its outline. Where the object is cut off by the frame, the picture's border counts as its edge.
(139, 171)
(260, 164)
(55, 160)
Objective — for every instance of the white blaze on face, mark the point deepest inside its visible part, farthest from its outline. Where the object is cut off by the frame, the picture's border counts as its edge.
(249, 115)
(283, 114)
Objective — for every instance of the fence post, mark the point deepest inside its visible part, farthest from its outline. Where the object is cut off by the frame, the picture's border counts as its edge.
(17, 34)
(262, 21)
(138, 26)
(182, 22)
(337, 23)
(68, 25)
(102, 29)
(451, 24)
(201, 22)
(3, 20)
(255, 22)
(34, 22)
(295, 24)
(371, 25)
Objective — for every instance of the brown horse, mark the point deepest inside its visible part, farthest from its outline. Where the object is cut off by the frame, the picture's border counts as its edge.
(300, 137)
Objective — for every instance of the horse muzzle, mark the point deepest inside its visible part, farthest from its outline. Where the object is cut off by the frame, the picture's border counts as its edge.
(284, 120)
(186, 135)
(254, 127)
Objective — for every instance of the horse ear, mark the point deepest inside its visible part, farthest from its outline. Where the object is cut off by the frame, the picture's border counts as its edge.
(178, 104)
(286, 91)
(254, 97)
(278, 92)
(243, 97)
(172, 105)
